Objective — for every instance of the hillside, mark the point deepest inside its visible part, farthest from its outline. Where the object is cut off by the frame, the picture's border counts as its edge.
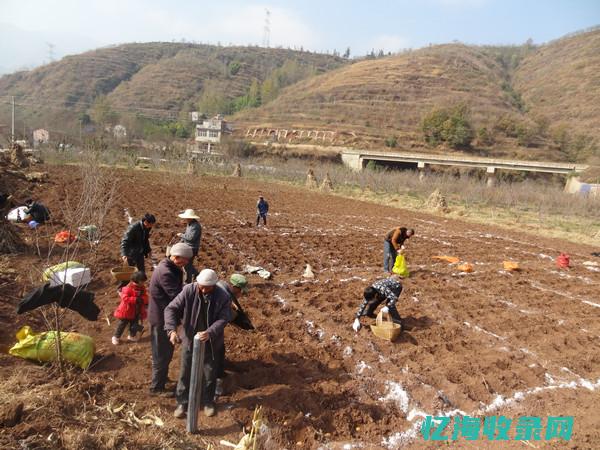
(155, 80)
(520, 95)
(561, 82)
(531, 102)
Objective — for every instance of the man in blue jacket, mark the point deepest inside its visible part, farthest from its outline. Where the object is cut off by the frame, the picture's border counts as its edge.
(262, 208)
(202, 308)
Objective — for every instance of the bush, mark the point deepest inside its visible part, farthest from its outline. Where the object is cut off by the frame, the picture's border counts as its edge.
(237, 149)
(525, 136)
(507, 125)
(450, 126)
(234, 67)
(391, 141)
(372, 165)
(485, 137)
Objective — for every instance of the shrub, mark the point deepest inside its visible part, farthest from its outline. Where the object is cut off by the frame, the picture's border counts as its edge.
(237, 149)
(391, 141)
(451, 126)
(525, 136)
(234, 67)
(485, 137)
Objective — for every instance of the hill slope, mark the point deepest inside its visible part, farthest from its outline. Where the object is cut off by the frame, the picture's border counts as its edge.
(378, 98)
(519, 94)
(152, 79)
(561, 81)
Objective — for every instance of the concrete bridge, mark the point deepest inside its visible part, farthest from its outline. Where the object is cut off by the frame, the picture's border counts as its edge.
(358, 159)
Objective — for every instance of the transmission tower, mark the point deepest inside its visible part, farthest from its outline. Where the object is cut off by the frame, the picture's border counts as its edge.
(50, 51)
(267, 28)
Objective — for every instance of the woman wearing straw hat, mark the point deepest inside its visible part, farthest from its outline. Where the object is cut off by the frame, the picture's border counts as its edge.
(191, 237)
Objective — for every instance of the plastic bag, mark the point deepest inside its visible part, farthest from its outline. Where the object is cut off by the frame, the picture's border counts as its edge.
(60, 268)
(64, 237)
(400, 267)
(563, 261)
(78, 349)
(465, 267)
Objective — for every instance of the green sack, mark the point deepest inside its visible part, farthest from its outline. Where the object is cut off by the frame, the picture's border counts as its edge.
(400, 267)
(47, 275)
(78, 349)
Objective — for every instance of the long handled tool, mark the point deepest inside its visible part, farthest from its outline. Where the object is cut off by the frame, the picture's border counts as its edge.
(196, 384)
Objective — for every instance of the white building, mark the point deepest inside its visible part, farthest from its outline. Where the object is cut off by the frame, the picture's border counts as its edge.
(40, 136)
(211, 131)
(119, 132)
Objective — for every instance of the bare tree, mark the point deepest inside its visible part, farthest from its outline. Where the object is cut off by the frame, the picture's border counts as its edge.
(82, 206)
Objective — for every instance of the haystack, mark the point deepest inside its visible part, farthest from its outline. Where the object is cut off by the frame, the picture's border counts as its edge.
(17, 157)
(237, 172)
(10, 241)
(327, 185)
(437, 201)
(311, 180)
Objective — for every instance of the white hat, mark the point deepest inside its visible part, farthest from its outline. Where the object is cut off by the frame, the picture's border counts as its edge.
(207, 277)
(182, 250)
(188, 214)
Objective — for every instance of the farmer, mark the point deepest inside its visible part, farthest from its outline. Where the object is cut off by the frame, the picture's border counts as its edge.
(166, 283)
(135, 245)
(394, 243)
(35, 211)
(236, 287)
(191, 237)
(386, 290)
(262, 209)
(202, 308)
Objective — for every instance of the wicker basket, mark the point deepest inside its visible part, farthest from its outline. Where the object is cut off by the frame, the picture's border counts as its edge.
(386, 329)
(122, 273)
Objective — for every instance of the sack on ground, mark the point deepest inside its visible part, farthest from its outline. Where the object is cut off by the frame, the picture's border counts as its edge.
(78, 349)
(50, 271)
(400, 267)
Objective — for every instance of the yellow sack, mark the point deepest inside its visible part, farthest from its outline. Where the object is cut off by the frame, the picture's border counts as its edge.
(78, 349)
(400, 267)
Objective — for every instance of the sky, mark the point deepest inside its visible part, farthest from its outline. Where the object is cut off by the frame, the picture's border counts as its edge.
(73, 26)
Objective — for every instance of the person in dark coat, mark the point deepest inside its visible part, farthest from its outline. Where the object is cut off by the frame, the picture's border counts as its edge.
(202, 308)
(394, 243)
(262, 209)
(36, 211)
(386, 290)
(135, 245)
(191, 237)
(236, 287)
(166, 283)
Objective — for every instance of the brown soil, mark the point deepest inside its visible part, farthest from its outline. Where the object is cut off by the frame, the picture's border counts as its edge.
(485, 343)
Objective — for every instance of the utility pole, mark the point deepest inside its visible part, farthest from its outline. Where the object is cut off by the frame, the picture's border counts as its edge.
(267, 28)
(50, 51)
(12, 129)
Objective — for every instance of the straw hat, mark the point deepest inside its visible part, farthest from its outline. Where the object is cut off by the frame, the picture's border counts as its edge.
(188, 214)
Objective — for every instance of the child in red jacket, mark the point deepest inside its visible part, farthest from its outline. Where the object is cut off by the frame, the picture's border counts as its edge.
(132, 309)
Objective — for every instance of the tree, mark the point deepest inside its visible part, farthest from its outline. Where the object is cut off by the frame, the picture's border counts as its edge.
(448, 125)
(102, 112)
(213, 100)
(254, 99)
(347, 53)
